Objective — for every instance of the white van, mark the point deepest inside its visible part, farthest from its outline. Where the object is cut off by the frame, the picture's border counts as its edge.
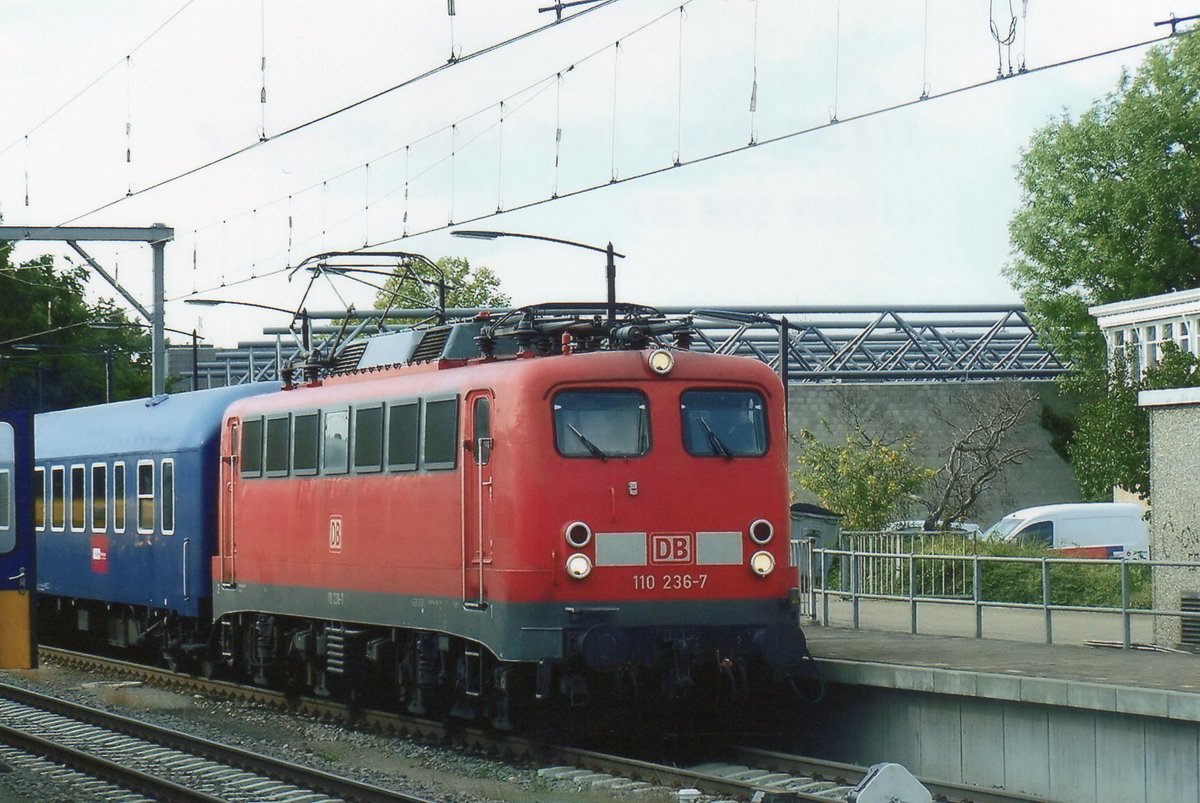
(1092, 529)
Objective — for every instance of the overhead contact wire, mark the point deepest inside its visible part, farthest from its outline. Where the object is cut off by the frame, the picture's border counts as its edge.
(348, 107)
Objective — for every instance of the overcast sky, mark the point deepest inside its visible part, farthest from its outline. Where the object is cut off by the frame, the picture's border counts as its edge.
(908, 207)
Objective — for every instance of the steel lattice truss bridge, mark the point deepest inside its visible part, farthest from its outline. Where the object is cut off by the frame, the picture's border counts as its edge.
(816, 343)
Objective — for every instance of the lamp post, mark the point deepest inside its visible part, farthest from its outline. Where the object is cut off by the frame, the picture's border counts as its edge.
(610, 264)
(66, 351)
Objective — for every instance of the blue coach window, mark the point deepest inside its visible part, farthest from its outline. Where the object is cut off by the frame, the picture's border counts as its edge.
(145, 494)
(8, 536)
(78, 499)
(118, 497)
(58, 502)
(99, 497)
(39, 499)
(168, 496)
(723, 423)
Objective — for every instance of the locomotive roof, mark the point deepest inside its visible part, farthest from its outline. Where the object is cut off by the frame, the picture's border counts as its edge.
(167, 423)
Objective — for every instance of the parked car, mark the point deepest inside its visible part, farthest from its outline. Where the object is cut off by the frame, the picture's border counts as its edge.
(917, 526)
(1088, 529)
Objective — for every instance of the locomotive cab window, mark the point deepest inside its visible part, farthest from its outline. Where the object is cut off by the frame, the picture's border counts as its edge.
(145, 496)
(723, 423)
(39, 499)
(368, 438)
(251, 450)
(601, 423)
(441, 433)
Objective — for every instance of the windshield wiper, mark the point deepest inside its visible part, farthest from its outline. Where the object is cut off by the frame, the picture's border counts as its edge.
(591, 447)
(714, 441)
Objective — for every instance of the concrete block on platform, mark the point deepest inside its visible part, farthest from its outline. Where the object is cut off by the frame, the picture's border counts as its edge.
(955, 681)
(1050, 691)
(998, 687)
(1147, 702)
(1093, 696)
(1183, 705)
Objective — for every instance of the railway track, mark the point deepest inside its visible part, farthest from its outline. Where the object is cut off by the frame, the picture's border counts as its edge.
(164, 764)
(741, 773)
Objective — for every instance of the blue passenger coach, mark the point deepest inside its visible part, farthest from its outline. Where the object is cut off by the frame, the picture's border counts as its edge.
(125, 509)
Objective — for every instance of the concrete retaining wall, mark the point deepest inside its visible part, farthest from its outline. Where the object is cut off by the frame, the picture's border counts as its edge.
(910, 407)
(1059, 752)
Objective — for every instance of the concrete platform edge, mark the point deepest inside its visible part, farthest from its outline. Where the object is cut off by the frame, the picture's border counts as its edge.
(1165, 704)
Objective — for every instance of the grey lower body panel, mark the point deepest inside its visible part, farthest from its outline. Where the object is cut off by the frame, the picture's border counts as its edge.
(514, 631)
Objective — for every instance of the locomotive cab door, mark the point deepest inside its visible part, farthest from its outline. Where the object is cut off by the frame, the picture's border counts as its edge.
(477, 498)
(229, 464)
(18, 501)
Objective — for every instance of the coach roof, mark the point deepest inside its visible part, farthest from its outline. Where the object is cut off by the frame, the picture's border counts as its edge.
(167, 423)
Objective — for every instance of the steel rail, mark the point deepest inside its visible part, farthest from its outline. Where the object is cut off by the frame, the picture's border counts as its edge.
(283, 771)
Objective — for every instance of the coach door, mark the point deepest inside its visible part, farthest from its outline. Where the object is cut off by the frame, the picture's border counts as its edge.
(477, 498)
(18, 500)
(229, 460)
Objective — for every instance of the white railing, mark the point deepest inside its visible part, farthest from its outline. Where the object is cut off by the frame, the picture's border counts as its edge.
(853, 575)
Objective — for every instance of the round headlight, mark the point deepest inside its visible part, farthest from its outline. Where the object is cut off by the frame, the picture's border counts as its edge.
(660, 361)
(761, 531)
(579, 566)
(578, 534)
(762, 563)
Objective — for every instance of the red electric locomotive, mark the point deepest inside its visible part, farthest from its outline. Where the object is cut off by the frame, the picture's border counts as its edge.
(551, 505)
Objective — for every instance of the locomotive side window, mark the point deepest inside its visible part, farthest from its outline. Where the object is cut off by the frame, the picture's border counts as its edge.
(58, 504)
(99, 497)
(306, 428)
(278, 444)
(723, 423)
(251, 451)
(441, 433)
(39, 499)
(168, 496)
(145, 496)
(601, 423)
(404, 427)
(335, 453)
(78, 499)
(368, 438)
(118, 497)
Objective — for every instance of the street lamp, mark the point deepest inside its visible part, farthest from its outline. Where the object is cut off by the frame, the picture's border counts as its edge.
(302, 314)
(610, 265)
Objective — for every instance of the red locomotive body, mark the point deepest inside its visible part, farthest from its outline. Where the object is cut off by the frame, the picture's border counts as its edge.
(488, 528)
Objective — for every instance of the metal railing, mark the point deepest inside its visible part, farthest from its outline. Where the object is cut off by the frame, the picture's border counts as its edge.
(854, 575)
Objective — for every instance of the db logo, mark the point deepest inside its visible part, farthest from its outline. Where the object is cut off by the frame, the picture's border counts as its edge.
(671, 548)
(335, 533)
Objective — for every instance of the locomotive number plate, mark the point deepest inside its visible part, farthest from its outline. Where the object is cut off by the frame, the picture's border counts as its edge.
(669, 582)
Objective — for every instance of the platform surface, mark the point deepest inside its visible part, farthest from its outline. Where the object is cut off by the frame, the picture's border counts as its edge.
(1095, 678)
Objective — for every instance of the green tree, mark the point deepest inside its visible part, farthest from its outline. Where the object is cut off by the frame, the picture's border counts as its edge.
(466, 286)
(1111, 446)
(1110, 205)
(870, 482)
(55, 346)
